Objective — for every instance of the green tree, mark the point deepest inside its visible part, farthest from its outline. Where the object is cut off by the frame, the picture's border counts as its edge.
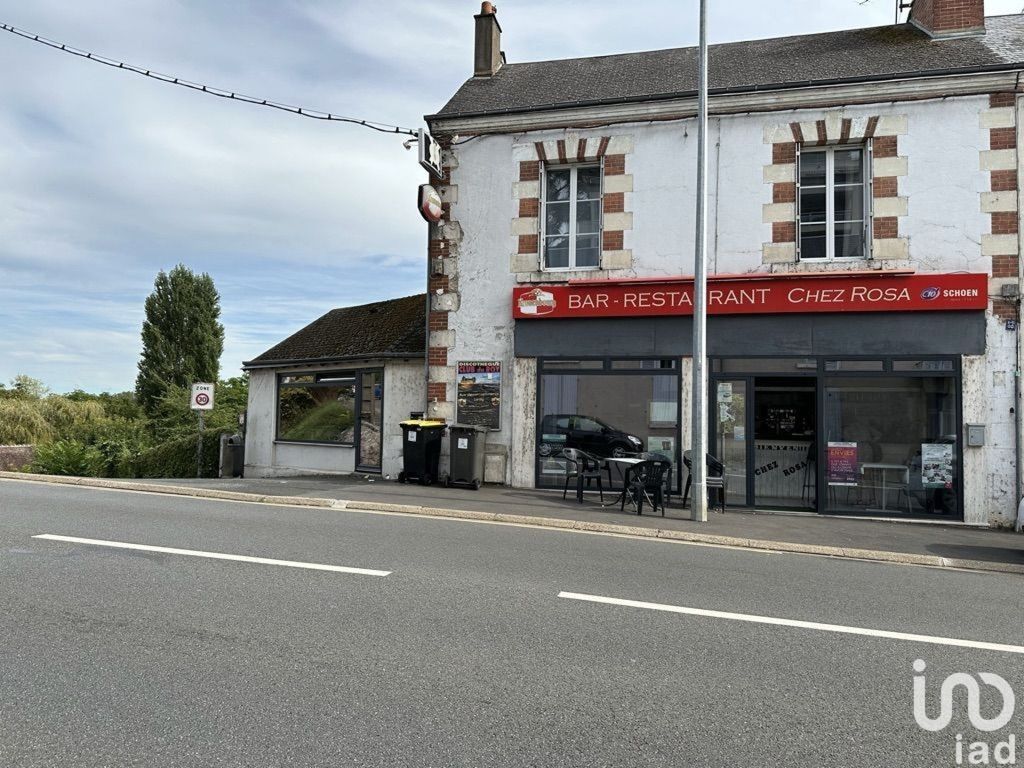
(182, 338)
(27, 388)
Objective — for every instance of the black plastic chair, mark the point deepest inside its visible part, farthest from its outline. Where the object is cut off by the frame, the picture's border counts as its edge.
(646, 480)
(667, 485)
(715, 476)
(584, 468)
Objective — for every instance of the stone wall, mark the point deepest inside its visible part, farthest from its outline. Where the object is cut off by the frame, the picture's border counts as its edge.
(14, 457)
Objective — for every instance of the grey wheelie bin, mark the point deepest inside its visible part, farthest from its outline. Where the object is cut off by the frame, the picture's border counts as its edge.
(467, 455)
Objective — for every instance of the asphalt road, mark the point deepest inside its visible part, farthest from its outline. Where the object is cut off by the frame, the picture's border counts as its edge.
(465, 655)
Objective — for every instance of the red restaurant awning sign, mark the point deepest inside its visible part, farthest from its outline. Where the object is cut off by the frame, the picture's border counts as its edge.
(791, 293)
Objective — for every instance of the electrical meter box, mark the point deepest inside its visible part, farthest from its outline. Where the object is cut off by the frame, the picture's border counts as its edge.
(975, 435)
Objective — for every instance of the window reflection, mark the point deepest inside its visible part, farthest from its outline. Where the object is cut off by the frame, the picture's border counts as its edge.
(892, 445)
(605, 415)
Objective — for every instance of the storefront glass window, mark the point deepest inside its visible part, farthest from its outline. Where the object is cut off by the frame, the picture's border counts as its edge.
(891, 445)
(336, 408)
(606, 415)
(316, 411)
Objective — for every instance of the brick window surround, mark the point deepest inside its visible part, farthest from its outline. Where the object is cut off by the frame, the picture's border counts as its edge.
(887, 208)
(1002, 245)
(443, 295)
(616, 219)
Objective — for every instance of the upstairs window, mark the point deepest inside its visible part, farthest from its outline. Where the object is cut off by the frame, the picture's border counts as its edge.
(571, 234)
(833, 213)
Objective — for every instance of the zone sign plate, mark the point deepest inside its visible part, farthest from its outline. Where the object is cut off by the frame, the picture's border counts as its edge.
(202, 397)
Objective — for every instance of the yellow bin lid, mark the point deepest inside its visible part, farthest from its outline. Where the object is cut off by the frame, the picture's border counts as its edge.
(422, 423)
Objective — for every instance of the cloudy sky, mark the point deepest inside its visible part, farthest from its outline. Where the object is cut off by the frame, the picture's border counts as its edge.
(107, 177)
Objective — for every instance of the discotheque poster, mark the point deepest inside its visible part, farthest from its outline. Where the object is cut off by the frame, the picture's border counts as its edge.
(479, 398)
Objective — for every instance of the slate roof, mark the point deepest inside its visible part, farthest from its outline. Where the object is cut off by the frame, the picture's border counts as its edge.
(874, 53)
(394, 328)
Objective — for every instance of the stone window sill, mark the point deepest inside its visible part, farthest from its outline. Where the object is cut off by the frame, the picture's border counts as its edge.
(565, 275)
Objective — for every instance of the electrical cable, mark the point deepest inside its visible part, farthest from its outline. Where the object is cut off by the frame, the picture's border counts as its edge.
(212, 91)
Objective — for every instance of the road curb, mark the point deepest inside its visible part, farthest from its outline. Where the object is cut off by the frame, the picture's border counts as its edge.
(903, 558)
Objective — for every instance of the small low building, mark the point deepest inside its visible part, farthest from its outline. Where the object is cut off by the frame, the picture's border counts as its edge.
(329, 398)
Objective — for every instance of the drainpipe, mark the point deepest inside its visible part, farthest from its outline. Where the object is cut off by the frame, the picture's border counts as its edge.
(426, 322)
(1018, 393)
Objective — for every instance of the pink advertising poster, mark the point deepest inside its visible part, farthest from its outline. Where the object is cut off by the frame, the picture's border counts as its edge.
(842, 463)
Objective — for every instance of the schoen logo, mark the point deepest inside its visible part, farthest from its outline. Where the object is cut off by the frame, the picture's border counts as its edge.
(930, 293)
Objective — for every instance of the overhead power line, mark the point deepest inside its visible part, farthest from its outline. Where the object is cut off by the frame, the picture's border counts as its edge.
(314, 114)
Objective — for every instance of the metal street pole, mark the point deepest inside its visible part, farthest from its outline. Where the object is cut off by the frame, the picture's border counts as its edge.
(698, 467)
(199, 447)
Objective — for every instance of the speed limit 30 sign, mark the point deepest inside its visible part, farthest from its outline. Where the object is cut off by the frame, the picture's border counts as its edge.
(202, 397)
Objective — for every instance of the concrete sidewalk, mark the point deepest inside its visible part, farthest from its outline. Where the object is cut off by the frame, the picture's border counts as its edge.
(918, 543)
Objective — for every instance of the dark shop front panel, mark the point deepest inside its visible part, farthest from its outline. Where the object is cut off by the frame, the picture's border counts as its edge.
(877, 333)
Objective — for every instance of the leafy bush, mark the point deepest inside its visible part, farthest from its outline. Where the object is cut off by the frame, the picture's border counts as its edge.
(72, 420)
(120, 404)
(121, 442)
(68, 457)
(108, 435)
(177, 458)
(22, 423)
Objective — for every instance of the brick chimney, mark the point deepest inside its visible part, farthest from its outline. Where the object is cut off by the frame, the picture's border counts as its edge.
(487, 57)
(949, 18)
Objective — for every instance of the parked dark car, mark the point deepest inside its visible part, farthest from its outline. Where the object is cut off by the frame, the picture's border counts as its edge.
(572, 430)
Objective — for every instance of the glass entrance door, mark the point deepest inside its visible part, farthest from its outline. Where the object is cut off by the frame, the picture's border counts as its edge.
(784, 451)
(371, 420)
(763, 432)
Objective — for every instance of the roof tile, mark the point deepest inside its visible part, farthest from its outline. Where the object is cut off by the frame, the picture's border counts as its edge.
(872, 53)
(383, 329)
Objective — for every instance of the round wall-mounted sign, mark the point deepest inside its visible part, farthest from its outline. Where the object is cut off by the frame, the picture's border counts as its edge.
(430, 204)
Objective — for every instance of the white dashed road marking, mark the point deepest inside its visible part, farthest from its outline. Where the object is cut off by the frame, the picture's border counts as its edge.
(815, 625)
(214, 555)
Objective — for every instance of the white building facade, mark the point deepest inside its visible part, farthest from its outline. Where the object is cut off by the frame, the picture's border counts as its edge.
(863, 255)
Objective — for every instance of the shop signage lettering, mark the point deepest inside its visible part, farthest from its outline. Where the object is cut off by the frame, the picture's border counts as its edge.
(772, 466)
(790, 293)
